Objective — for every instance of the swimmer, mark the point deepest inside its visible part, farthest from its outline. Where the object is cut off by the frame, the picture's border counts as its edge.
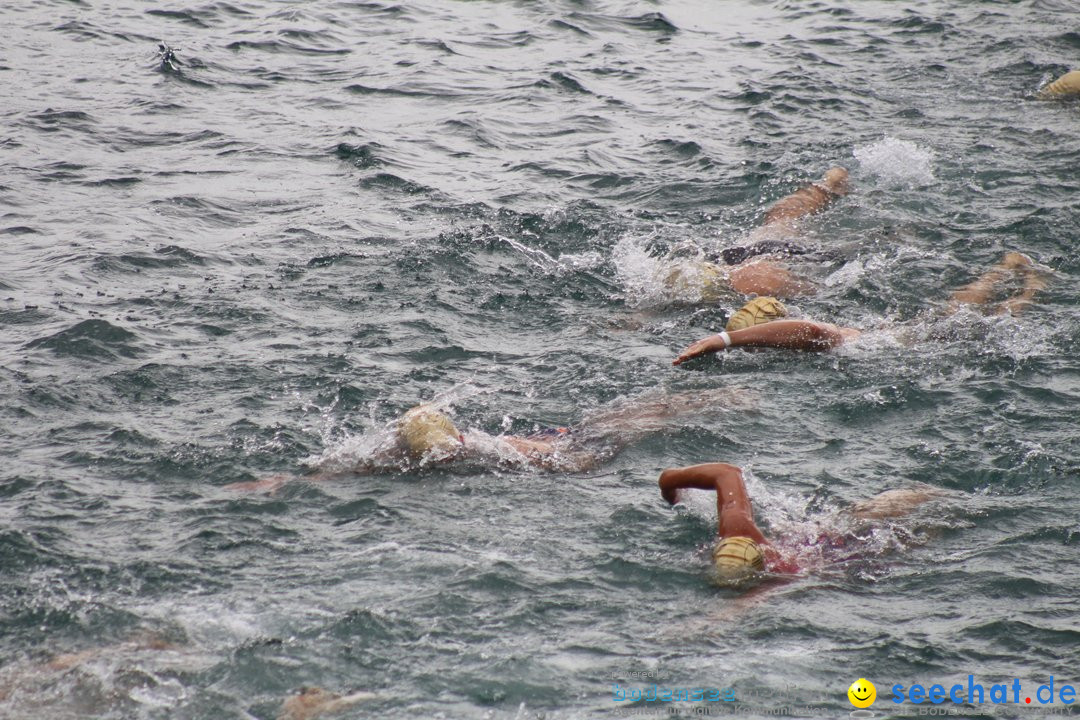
(167, 60)
(98, 681)
(113, 680)
(742, 549)
(425, 436)
(811, 335)
(752, 269)
(312, 702)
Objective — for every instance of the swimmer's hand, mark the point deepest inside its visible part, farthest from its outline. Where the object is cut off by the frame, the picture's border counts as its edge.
(711, 344)
(673, 496)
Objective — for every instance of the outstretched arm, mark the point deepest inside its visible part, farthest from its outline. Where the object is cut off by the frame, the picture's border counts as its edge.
(791, 334)
(895, 503)
(272, 483)
(734, 514)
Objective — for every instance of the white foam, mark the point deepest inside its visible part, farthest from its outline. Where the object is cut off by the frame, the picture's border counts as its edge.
(647, 280)
(163, 693)
(353, 452)
(636, 269)
(898, 162)
(537, 257)
(847, 275)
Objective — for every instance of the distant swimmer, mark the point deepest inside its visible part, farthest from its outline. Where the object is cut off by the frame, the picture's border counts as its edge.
(167, 60)
(425, 436)
(772, 330)
(754, 268)
(1068, 85)
(742, 549)
(312, 702)
(147, 672)
(428, 435)
(90, 682)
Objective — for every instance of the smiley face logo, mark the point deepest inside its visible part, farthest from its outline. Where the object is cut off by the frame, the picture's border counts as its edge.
(862, 693)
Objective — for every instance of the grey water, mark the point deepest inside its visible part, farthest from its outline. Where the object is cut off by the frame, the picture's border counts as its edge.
(240, 238)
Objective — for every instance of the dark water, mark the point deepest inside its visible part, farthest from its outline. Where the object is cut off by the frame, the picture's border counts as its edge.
(249, 257)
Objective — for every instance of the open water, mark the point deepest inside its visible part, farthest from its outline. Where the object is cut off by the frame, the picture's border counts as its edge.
(248, 257)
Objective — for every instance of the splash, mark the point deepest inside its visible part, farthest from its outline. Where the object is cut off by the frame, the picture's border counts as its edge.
(636, 269)
(981, 336)
(563, 265)
(897, 162)
(683, 276)
(375, 448)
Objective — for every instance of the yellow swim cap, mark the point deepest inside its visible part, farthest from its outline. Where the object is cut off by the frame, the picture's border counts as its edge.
(757, 311)
(737, 556)
(693, 280)
(1067, 84)
(427, 433)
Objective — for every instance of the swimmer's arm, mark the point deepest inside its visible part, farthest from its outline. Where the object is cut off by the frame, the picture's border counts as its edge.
(697, 477)
(790, 334)
(272, 483)
(544, 454)
(529, 447)
(895, 503)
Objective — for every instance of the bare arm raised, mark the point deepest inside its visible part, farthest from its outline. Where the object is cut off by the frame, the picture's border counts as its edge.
(734, 513)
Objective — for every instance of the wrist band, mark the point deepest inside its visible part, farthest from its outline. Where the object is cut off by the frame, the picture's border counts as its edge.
(724, 338)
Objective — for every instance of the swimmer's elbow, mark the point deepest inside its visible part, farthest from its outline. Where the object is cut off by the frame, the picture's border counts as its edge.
(828, 338)
(823, 336)
(720, 469)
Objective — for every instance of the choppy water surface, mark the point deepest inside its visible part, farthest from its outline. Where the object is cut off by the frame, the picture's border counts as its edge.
(250, 258)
